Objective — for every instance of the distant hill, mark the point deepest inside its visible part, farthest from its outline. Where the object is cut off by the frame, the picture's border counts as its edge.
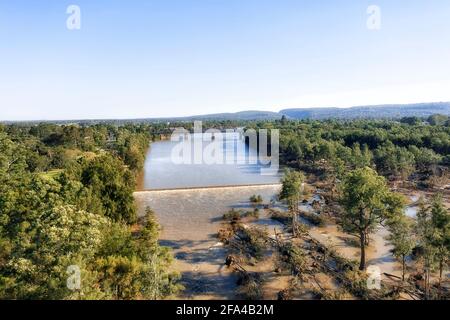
(243, 116)
(238, 116)
(370, 112)
(421, 110)
(392, 111)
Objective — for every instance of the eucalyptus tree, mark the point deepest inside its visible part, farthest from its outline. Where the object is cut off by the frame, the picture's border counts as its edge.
(402, 240)
(292, 191)
(367, 202)
(440, 235)
(424, 231)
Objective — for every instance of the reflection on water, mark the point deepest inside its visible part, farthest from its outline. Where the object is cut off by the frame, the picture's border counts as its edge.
(160, 171)
(411, 211)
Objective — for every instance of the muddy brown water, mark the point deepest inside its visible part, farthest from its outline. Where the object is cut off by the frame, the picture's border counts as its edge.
(191, 219)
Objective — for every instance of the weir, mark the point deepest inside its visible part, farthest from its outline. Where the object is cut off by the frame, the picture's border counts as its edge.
(190, 219)
(209, 187)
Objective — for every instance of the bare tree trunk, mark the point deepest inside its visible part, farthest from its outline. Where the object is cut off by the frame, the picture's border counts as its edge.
(294, 223)
(441, 268)
(295, 208)
(403, 268)
(427, 283)
(362, 238)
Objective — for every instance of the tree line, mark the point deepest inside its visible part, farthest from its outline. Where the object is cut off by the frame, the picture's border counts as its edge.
(417, 150)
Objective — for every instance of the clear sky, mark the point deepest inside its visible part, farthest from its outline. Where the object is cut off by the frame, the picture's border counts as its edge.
(153, 58)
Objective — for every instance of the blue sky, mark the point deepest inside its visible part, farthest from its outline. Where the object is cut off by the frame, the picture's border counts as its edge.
(158, 58)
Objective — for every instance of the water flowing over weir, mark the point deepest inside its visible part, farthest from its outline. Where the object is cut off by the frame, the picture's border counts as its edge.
(196, 214)
(190, 219)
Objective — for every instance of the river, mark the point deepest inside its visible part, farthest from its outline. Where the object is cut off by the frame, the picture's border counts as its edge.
(190, 200)
(239, 166)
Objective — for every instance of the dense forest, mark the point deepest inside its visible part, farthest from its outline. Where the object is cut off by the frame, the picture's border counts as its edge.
(411, 149)
(66, 206)
(66, 197)
(370, 112)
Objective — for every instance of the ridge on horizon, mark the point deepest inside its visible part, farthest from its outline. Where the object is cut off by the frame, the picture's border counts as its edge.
(392, 111)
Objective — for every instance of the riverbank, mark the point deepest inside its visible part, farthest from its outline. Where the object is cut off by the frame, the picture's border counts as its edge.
(191, 218)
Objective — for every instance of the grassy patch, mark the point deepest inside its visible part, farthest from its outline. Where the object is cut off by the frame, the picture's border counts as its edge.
(52, 174)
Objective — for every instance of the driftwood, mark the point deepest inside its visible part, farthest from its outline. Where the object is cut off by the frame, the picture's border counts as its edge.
(318, 284)
(328, 261)
(285, 295)
(232, 262)
(392, 276)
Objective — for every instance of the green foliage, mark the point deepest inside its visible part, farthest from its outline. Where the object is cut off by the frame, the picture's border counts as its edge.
(66, 201)
(292, 257)
(433, 229)
(314, 218)
(437, 119)
(256, 241)
(393, 148)
(291, 191)
(107, 180)
(292, 187)
(66, 198)
(233, 215)
(360, 157)
(256, 199)
(425, 158)
(394, 160)
(402, 239)
(424, 231)
(433, 233)
(367, 202)
(440, 237)
(411, 120)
